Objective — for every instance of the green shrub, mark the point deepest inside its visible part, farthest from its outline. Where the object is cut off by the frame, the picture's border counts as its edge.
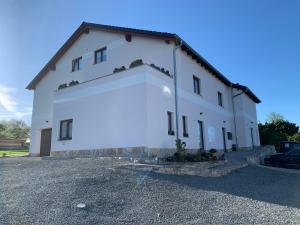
(213, 151)
(73, 82)
(62, 86)
(116, 70)
(136, 62)
(180, 145)
(155, 67)
(275, 138)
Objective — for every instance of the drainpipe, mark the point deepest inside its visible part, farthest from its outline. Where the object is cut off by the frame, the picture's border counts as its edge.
(234, 118)
(175, 85)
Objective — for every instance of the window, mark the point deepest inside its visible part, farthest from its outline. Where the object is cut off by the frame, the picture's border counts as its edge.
(220, 99)
(100, 55)
(76, 64)
(295, 152)
(184, 125)
(296, 146)
(170, 124)
(65, 129)
(196, 85)
(229, 135)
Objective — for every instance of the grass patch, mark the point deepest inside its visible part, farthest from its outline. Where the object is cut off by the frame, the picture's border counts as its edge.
(13, 152)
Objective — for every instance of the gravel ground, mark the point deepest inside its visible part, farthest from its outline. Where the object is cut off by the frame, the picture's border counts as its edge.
(43, 191)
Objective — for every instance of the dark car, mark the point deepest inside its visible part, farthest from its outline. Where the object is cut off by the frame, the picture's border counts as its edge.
(287, 146)
(288, 159)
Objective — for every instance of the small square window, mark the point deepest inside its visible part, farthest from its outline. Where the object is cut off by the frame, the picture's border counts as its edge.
(220, 99)
(65, 129)
(100, 55)
(76, 64)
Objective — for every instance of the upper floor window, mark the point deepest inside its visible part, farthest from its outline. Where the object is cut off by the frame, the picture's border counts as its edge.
(100, 55)
(184, 124)
(65, 131)
(220, 99)
(196, 85)
(76, 64)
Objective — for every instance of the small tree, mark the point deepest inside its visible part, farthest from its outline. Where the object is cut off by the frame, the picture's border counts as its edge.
(181, 151)
(276, 129)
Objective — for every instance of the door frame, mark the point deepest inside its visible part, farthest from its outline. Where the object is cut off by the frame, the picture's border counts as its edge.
(252, 138)
(201, 134)
(45, 142)
(224, 139)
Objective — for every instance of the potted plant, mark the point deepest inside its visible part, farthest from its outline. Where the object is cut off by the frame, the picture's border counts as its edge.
(73, 82)
(136, 62)
(213, 152)
(116, 70)
(61, 86)
(180, 147)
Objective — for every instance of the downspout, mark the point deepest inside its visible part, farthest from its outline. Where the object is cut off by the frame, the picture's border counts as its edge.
(234, 119)
(175, 85)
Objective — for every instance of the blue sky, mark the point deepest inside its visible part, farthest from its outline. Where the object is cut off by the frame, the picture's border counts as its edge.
(254, 42)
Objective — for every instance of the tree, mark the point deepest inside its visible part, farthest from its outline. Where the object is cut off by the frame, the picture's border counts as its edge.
(295, 137)
(276, 129)
(274, 117)
(14, 129)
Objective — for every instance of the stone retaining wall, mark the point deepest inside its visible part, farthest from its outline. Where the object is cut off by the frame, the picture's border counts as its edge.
(260, 153)
(135, 152)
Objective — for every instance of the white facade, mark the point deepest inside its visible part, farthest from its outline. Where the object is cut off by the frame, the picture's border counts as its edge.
(129, 109)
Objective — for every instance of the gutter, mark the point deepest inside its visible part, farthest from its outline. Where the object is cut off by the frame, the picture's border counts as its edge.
(234, 113)
(177, 46)
(234, 118)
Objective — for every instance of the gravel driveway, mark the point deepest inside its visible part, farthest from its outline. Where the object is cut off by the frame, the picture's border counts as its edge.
(43, 191)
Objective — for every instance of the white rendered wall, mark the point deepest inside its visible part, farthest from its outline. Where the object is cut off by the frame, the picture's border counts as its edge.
(119, 53)
(105, 114)
(152, 98)
(246, 118)
(214, 117)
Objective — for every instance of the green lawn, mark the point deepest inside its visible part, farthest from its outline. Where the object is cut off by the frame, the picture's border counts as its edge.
(13, 153)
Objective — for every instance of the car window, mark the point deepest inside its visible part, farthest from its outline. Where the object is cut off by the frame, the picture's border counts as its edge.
(295, 152)
(296, 146)
(286, 145)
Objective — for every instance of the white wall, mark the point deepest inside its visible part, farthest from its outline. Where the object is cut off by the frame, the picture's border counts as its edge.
(214, 117)
(106, 113)
(246, 118)
(115, 118)
(119, 53)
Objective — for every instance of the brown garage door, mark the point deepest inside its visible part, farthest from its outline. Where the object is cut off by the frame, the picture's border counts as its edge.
(45, 142)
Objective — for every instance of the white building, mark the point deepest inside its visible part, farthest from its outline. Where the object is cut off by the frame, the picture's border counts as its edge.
(133, 111)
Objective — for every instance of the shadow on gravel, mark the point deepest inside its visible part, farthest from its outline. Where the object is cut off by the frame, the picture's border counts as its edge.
(250, 182)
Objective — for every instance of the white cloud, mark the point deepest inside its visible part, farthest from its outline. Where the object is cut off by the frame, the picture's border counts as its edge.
(10, 106)
(6, 99)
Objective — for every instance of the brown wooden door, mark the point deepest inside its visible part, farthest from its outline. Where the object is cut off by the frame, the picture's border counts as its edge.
(45, 142)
